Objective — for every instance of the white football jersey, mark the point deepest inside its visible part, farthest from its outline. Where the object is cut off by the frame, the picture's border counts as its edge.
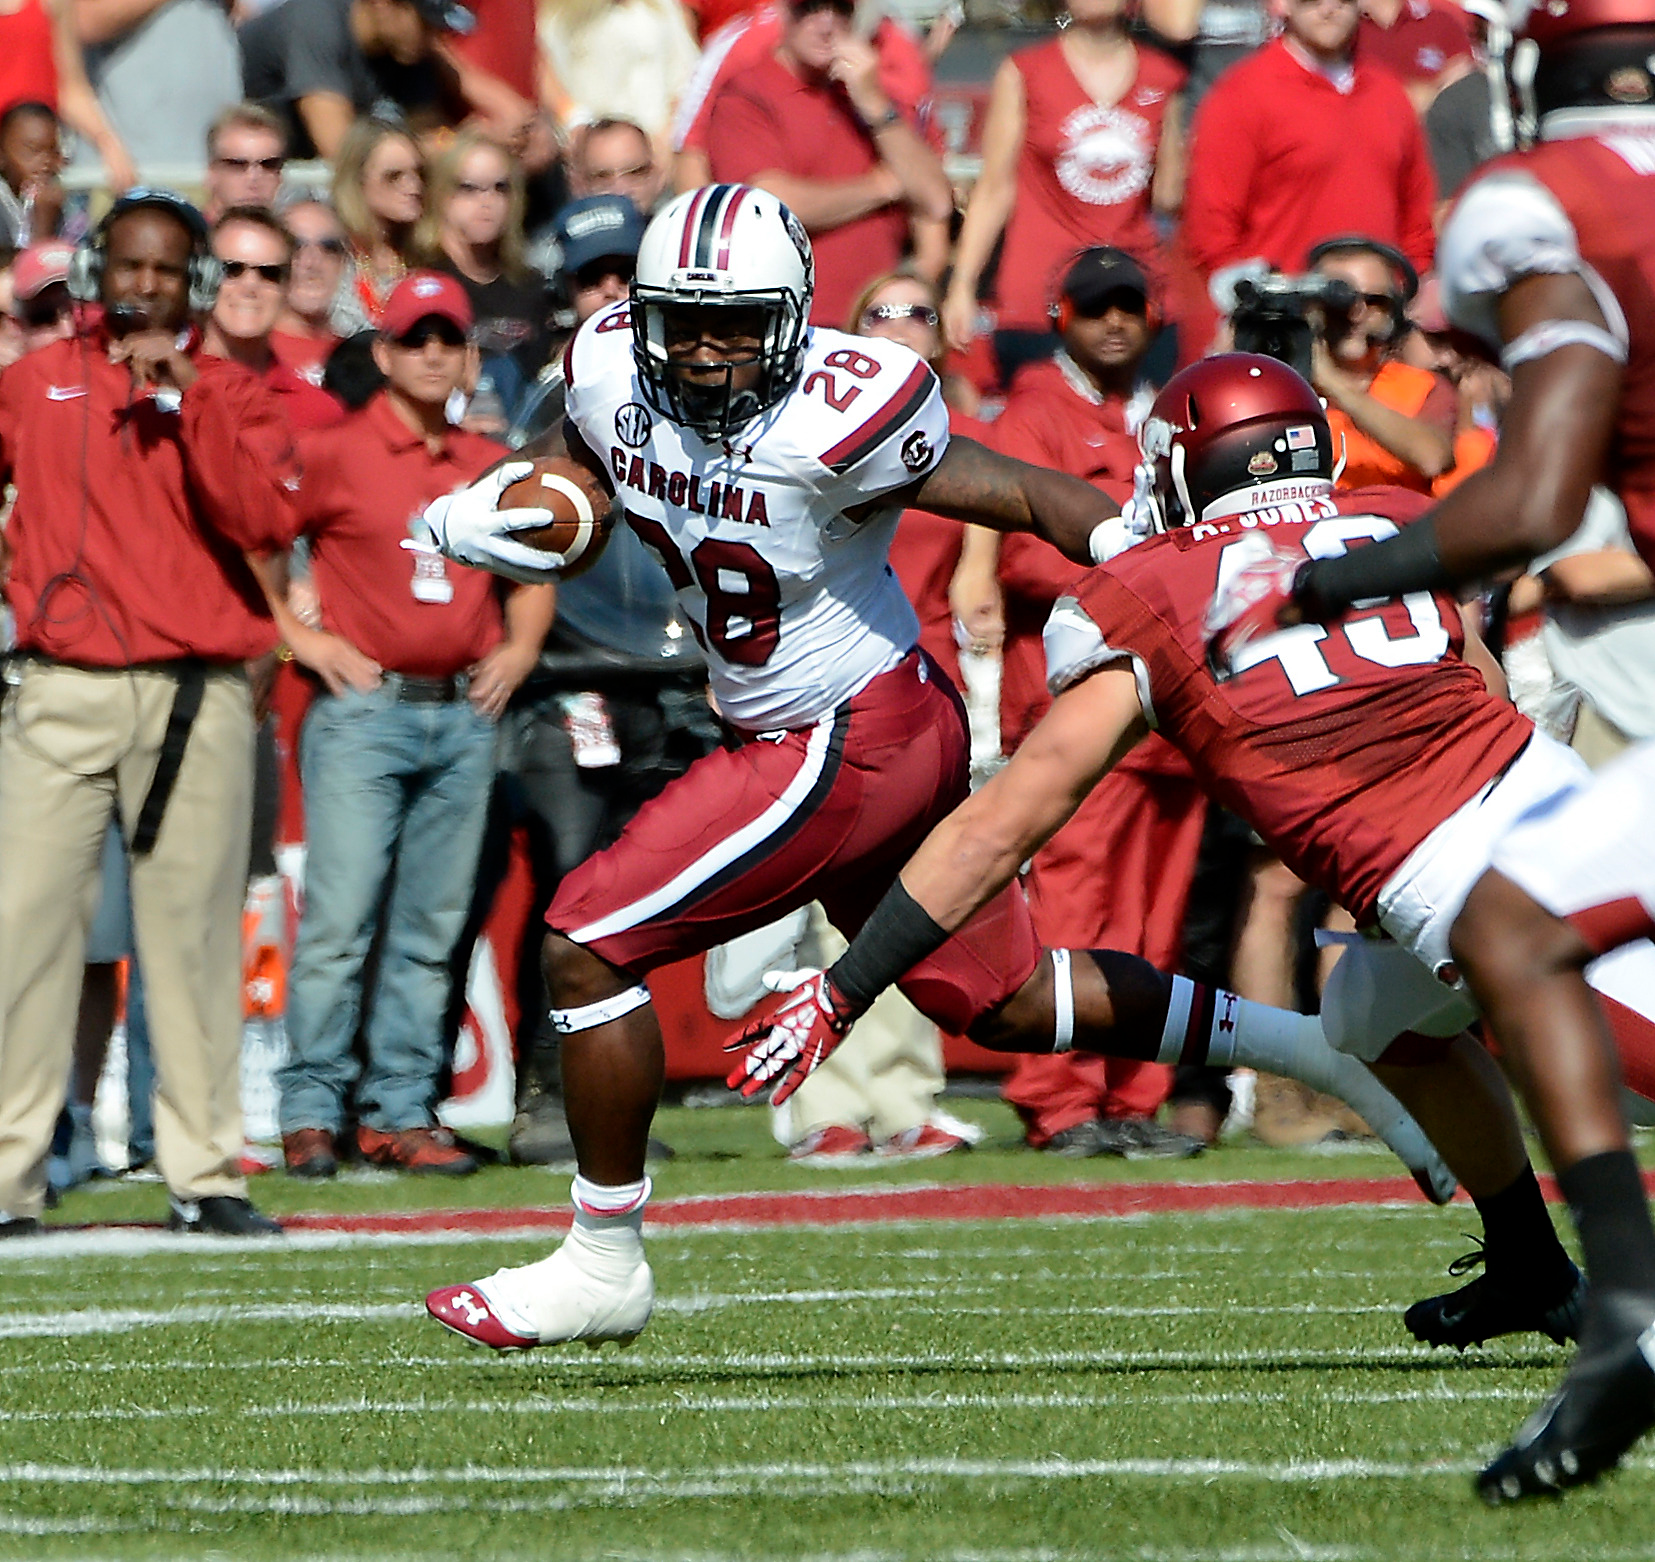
(793, 601)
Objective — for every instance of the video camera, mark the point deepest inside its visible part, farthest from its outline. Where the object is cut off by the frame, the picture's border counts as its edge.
(1272, 314)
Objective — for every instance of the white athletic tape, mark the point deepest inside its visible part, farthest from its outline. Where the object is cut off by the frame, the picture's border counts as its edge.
(585, 524)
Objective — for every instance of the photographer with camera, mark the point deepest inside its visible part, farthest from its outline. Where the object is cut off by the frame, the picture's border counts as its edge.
(1341, 326)
(1395, 422)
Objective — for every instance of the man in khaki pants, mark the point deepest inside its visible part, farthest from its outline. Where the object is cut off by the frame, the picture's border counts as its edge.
(143, 474)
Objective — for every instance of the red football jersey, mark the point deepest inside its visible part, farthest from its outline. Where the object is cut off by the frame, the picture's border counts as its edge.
(1084, 177)
(1606, 186)
(1344, 745)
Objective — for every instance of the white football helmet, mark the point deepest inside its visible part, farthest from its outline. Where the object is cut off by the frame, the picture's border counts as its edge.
(722, 246)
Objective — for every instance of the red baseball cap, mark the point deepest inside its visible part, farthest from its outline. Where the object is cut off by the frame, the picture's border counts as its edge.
(39, 266)
(421, 294)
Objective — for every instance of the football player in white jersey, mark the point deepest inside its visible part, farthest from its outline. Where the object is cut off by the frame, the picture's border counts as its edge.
(767, 463)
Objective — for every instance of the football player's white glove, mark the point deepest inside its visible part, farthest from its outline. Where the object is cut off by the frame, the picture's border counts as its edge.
(466, 527)
(1135, 523)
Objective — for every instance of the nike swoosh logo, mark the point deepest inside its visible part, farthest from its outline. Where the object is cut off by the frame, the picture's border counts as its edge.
(64, 392)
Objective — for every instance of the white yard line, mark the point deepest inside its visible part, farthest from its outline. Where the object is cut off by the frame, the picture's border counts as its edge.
(124, 1320)
(753, 1479)
(679, 1403)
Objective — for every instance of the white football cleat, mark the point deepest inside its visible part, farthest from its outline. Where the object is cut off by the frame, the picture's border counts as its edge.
(597, 1287)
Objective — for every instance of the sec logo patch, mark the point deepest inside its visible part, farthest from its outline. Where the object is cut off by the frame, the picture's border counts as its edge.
(633, 423)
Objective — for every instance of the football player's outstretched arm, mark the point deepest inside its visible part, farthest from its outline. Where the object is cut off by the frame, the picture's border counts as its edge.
(967, 860)
(980, 847)
(1531, 497)
(973, 483)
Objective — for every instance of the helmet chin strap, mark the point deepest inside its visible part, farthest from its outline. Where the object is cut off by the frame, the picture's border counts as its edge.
(1344, 456)
(1181, 487)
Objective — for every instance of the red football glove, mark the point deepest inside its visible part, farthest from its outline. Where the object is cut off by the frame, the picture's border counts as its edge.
(790, 1037)
(1256, 601)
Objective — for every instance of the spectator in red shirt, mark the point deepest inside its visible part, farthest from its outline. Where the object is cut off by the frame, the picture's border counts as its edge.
(1301, 142)
(255, 253)
(904, 73)
(1079, 414)
(143, 474)
(812, 125)
(304, 334)
(397, 755)
(1082, 145)
(1424, 45)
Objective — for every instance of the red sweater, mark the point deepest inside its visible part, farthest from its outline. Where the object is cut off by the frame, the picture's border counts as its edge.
(131, 519)
(1282, 159)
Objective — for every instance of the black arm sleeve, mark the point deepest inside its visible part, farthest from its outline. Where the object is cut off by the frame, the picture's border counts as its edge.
(1409, 561)
(896, 937)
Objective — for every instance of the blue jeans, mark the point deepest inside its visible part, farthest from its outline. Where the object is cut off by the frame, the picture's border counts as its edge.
(396, 797)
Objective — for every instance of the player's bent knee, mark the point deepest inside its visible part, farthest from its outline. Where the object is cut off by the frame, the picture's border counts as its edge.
(1025, 1022)
(574, 975)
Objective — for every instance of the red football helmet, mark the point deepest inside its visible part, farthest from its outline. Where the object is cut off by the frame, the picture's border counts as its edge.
(1574, 54)
(1235, 421)
(1551, 22)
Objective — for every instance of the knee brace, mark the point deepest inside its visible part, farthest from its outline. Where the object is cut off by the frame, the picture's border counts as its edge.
(567, 1021)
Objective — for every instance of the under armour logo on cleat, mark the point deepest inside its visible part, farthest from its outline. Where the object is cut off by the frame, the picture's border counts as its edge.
(475, 1312)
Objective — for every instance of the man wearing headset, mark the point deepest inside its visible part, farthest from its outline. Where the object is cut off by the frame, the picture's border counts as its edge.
(143, 473)
(1396, 422)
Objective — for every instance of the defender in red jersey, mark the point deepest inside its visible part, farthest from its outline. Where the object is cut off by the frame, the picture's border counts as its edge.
(1549, 257)
(1366, 752)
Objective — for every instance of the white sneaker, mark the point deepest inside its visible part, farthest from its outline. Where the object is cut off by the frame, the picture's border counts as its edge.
(596, 1287)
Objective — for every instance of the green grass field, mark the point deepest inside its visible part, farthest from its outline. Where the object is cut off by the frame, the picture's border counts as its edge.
(1232, 1385)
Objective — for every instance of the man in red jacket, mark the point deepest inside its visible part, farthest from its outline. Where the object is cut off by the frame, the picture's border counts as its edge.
(143, 474)
(1303, 141)
(1090, 887)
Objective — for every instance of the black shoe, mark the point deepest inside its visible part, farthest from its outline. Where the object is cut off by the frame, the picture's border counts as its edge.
(1147, 1139)
(19, 1226)
(220, 1216)
(1604, 1405)
(1493, 1305)
(1093, 1137)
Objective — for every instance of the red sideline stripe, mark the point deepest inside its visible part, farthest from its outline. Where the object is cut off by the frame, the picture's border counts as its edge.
(988, 1202)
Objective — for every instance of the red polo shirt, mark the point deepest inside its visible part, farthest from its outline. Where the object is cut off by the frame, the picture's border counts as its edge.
(132, 516)
(1419, 44)
(766, 119)
(366, 483)
(1282, 158)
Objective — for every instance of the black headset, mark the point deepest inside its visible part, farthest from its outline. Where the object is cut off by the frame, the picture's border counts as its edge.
(87, 263)
(1406, 278)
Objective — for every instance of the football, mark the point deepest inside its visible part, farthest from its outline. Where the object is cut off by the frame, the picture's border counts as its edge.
(578, 507)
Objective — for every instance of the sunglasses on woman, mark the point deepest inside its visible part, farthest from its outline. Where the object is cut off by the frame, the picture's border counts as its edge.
(874, 314)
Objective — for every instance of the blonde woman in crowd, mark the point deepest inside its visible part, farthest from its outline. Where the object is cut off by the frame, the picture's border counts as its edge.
(379, 194)
(472, 229)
